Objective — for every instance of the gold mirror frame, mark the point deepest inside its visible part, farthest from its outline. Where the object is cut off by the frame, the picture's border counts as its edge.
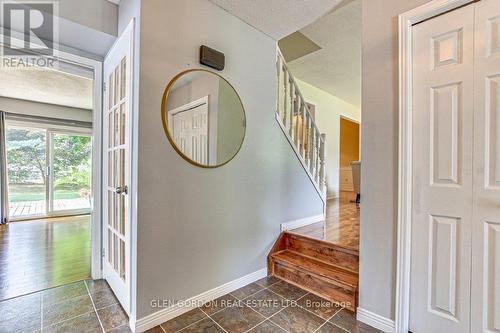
(165, 121)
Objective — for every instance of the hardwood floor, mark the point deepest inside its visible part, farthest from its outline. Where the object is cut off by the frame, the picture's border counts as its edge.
(341, 225)
(41, 254)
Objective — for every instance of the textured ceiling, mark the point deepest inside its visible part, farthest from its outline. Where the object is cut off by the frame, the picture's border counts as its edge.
(336, 67)
(46, 86)
(296, 46)
(278, 18)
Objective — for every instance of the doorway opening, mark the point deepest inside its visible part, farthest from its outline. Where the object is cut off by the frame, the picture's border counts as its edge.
(50, 168)
(324, 59)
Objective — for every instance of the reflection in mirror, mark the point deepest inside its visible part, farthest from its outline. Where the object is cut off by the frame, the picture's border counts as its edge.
(203, 118)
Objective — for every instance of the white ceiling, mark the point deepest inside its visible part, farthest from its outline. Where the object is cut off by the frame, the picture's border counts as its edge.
(47, 86)
(278, 18)
(336, 68)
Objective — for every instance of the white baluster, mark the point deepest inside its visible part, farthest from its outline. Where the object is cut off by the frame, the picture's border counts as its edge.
(279, 67)
(302, 126)
(285, 97)
(292, 107)
(296, 113)
(317, 162)
(322, 183)
(312, 133)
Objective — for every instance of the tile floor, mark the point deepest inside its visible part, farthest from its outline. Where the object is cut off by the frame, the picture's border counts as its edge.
(81, 307)
(268, 305)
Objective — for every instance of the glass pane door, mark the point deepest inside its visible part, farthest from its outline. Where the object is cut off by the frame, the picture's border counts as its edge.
(27, 171)
(117, 189)
(71, 171)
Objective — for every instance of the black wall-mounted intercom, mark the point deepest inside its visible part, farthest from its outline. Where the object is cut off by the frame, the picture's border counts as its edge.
(212, 58)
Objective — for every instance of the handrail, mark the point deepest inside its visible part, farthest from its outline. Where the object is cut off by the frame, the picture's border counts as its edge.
(281, 59)
(298, 125)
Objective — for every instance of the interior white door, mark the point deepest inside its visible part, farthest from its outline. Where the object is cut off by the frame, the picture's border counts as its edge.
(190, 130)
(486, 218)
(117, 130)
(442, 179)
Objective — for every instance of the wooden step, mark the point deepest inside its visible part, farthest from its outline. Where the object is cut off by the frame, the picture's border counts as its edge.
(337, 255)
(321, 268)
(316, 276)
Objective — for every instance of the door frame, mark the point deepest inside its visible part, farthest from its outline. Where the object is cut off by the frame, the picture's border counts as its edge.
(405, 159)
(70, 55)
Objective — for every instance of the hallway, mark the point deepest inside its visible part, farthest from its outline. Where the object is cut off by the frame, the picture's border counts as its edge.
(341, 225)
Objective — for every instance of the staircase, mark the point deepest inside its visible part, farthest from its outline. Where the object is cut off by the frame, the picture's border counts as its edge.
(297, 123)
(327, 270)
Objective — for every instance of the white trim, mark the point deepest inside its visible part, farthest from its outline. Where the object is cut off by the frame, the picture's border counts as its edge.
(168, 313)
(375, 320)
(406, 22)
(302, 222)
(190, 105)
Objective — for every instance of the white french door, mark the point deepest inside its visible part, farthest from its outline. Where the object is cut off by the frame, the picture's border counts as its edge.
(117, 166)
(455, 260)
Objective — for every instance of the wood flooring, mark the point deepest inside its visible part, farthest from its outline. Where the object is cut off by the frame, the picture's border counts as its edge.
(41, 254)
(341, 225)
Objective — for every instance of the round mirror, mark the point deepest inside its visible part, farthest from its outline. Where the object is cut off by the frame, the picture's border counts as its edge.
(203, 118)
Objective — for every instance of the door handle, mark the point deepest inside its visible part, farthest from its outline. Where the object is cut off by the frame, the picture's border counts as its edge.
(122, 190)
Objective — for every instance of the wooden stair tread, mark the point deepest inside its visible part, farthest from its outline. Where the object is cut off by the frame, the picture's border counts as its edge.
(322, 243)
(318, 267)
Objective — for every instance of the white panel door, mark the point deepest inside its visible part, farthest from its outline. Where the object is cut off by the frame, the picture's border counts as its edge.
(486, 219)
(117, 166)
(442, 181)
(190, 132)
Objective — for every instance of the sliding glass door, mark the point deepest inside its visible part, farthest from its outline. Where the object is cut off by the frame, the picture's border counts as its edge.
(71, 162)
(27, 171)
(49, 172)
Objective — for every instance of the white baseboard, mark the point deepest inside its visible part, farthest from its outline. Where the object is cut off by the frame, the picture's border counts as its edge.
(165, 314)
(375, 320)
(302, 222)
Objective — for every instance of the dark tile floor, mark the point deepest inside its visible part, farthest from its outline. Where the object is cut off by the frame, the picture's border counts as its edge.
(268, 305)
(81, 307)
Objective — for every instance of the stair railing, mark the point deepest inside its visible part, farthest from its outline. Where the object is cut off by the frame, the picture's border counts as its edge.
(295, 119)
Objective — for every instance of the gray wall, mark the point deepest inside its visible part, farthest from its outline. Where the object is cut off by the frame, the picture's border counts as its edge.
(198, 229)
(379, 145)
(100, 15)
(230, 123)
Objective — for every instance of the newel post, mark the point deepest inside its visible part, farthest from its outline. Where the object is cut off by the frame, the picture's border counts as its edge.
(322, 157)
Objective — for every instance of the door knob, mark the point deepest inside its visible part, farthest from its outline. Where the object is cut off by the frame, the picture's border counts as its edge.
(122, 190)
